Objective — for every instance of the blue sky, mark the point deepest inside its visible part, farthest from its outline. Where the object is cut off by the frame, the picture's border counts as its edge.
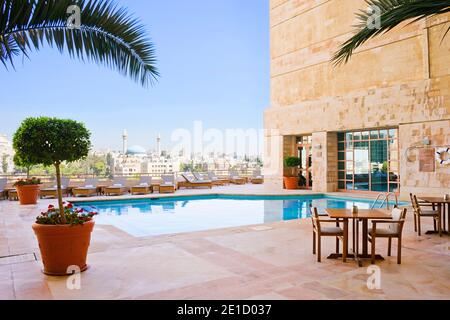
(214, 64)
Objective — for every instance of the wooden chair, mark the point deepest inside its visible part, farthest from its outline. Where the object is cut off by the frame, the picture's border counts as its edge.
(319, 231)
(419, 212)
(394, 230)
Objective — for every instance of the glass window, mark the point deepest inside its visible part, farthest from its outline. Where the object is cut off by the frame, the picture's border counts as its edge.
(341, 136)
(374, 134)
(369, 160)
(383, 134)
(341, 185)
(393, 133)
(349, 136)
(365, 135)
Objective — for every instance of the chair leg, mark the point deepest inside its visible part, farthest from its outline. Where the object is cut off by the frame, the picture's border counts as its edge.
(373, 249)
(389, 246)
(415, 222)
(345, 244)
(418, 225)
(319, 249)
(399, 251)
(434, 224)
(314, 242)
(337, 245)
(439, 225)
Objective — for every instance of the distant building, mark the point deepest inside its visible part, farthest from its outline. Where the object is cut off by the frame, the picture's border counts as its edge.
(6, 155)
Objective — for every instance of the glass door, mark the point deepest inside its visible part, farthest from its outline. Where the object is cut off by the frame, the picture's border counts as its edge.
(304, 145)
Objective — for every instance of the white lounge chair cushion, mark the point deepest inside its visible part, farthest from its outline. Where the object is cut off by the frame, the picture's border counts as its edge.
(117, 185)
(258, 177)
(143, 184)
(56, 187)
(167, 184)
(89, 186)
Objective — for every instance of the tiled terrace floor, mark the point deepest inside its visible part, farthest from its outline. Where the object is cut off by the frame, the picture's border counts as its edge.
(273, 261)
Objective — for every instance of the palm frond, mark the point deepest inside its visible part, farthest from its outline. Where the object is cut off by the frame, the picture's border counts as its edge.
(108, 35)
(391, 14)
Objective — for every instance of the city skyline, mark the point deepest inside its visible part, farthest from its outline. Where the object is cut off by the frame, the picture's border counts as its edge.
(196, 66)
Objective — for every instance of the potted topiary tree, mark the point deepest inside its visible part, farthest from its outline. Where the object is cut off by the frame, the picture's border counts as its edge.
(63, 233)
(291, 181)
(27, 189)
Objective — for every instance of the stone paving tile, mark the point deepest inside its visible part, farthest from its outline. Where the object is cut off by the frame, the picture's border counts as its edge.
(273, 262)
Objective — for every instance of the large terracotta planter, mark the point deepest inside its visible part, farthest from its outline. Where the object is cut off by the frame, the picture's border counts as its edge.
(28, 194)
(290, 183)
(62, 246)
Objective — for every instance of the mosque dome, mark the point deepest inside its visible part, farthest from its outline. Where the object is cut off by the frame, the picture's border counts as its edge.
(136, 150)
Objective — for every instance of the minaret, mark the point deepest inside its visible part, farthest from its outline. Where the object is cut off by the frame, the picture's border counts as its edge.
(158, 145)
(125, 141)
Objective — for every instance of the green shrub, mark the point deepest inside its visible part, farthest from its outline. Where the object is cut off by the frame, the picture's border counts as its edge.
(292, 162)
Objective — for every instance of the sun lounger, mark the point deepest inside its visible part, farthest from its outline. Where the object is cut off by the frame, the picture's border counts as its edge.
(193, 182)
(144, 186)
(216, 180)
(89, 188)
(168, 184)
(3, 183)
(118, 187)
(235, 178)
(53, 191)
(257, 177)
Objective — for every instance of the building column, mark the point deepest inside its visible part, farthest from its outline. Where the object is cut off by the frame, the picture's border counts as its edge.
(324, 161)
(273, 159)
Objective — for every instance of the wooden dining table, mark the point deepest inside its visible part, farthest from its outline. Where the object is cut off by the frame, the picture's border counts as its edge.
(363, 215)
(441, 204)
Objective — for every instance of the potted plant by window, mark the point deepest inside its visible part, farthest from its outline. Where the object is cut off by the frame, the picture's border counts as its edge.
(63, 233)
(27, 190)
(291, 181)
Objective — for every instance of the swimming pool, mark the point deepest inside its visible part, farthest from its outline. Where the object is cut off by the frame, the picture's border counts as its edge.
(149, 217)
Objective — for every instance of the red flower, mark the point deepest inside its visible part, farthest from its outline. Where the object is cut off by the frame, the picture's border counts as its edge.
(69, 205)
(50, 206)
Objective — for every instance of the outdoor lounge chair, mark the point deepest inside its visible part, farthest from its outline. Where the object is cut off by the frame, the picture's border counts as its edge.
(235, 178)
(257, 177)
(90, 188)
(3, 182)
(144, 186)
(192, 182)
(430, 213)
(216, 180)
(53, 191)
(394, 230)
(320, 231)
(118, 187)
(168, 184)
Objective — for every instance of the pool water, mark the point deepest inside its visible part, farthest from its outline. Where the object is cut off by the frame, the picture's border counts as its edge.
(149, 217)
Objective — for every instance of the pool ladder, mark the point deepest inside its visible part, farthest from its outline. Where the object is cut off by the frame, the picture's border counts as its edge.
(385, 198)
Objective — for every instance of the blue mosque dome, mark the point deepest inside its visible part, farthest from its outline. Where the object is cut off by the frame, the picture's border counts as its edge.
(136, 150)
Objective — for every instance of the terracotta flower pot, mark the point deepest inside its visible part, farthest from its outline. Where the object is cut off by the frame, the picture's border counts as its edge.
(291, 183)
(62, 246)
(28, 194)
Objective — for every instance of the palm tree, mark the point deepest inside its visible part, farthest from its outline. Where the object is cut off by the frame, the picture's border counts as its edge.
(391, 14)
(107, 35)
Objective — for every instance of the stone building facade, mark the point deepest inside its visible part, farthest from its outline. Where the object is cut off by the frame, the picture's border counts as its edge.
(375, 122)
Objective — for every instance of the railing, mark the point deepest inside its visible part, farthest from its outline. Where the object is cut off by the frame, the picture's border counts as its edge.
(385, 199)
(49, 178)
